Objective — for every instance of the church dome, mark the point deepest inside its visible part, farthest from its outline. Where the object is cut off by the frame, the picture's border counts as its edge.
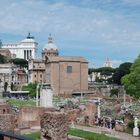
(50, 45)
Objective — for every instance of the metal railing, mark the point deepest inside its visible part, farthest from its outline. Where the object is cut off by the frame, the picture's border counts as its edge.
(12, 136)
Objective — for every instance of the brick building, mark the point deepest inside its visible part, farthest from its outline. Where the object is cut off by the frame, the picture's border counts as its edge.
(65, 74)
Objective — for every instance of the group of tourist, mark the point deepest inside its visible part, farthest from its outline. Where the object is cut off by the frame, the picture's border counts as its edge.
(105, 122)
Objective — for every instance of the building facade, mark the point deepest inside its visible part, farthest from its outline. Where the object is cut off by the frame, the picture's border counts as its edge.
(7, 75)
(26, 49)
(65, 74)
(36, 72)
(11, 75)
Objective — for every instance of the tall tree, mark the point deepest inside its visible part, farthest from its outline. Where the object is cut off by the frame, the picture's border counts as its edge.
(131, 81)
(3, 59)
(103, 70)
(123, 69)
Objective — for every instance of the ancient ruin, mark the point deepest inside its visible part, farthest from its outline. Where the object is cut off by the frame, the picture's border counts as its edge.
(54, 126)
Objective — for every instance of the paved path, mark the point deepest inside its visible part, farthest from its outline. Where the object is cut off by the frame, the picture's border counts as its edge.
(109, 132)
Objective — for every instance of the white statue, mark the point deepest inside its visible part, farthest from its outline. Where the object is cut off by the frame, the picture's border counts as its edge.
(135, 129)
(135, 122)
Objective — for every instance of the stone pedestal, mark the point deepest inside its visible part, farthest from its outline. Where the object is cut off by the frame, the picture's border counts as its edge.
(135, 131)
(46, 97)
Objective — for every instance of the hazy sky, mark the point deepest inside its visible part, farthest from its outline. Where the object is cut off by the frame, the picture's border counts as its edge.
(94, 29)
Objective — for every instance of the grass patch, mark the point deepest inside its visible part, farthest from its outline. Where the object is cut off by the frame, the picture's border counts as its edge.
(89, 135)
(56, 99)
(18, 103)
(76, 132)
(83, 101)
(34, 135)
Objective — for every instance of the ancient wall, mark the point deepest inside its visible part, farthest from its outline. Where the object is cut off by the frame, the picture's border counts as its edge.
(6, 122)
(5, 109)
(54, 126)
(30, 116)
(73, 114)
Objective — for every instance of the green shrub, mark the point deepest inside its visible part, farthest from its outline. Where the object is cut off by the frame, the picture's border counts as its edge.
(114, 92)
(31, 88)
(131, 124)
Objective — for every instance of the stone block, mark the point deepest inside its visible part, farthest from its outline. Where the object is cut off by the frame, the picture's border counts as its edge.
(119, 127)
(54, 126)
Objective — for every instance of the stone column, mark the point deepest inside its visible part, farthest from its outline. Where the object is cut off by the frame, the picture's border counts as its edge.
(37, 88)
(27, 54)
(98, 109)
(30, 54)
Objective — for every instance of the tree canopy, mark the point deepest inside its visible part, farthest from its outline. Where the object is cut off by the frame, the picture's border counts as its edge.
(123, 69)
(20, 62)
(131, 81)
(31, 87)
(103, 70)
(3, 59)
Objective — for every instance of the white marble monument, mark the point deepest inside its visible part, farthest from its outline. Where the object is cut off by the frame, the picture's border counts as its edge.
(25, 49)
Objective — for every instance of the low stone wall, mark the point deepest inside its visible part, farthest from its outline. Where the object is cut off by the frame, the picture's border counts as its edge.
(6, 122)
(72, 115)
(30, 116)
(119, 127)
(54, 126)
(5, 108)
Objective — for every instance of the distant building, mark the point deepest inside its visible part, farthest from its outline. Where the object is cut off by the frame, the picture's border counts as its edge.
(65, 74)
(36, 72)
(26, 49)
(108, 63)
(11, 74)
(5, 52)
(22, 76)
(7, 75)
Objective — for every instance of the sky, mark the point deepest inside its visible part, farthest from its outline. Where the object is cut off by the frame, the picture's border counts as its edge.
(94, 29)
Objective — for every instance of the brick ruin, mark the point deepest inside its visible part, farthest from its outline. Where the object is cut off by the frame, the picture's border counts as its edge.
(53, 122)
(54, 126)
(29, 116)
(7, 122)
(6, 117)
